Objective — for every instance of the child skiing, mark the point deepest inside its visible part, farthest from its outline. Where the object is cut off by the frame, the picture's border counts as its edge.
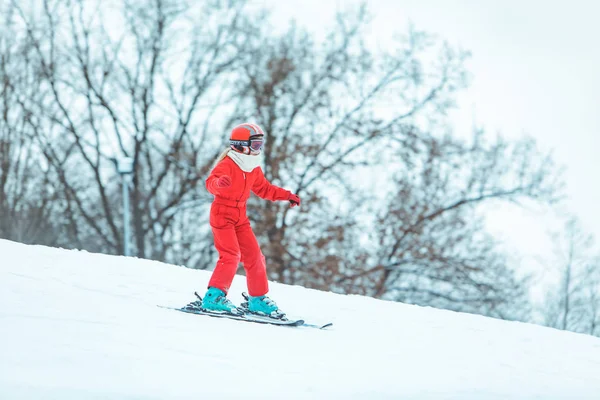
(235, 175)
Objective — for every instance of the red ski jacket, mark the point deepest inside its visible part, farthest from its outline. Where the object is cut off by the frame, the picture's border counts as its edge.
(242, 183)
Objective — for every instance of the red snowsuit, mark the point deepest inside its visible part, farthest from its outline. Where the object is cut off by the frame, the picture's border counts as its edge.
(234, 238)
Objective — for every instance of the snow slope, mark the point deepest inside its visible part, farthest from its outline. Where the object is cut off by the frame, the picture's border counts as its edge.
(75, 325)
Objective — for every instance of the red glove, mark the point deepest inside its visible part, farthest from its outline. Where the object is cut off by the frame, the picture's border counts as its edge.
(224, 181)
(294, 200)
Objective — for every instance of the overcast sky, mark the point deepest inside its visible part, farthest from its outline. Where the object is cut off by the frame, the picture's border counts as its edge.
(536, 72)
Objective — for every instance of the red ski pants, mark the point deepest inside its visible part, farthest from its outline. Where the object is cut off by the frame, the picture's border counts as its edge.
(235, 241)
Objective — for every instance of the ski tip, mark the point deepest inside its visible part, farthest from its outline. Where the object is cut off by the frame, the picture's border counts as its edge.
(318, 326)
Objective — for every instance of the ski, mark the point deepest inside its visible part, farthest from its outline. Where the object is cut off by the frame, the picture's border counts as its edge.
(195, 308)
(244, 307)
(241, 317)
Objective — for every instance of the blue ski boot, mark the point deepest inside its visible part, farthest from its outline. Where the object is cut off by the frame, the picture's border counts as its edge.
(262, 305)
(215, 301)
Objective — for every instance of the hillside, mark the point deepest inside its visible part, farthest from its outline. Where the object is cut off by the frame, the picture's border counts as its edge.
(75, 325)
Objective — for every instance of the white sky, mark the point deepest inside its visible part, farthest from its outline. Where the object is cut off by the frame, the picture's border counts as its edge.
(536, 72)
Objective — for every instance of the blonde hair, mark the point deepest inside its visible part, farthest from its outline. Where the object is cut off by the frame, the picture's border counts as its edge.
(221, 157)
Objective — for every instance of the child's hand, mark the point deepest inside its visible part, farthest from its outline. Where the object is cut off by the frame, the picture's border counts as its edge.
(294, 200)
(224, 181)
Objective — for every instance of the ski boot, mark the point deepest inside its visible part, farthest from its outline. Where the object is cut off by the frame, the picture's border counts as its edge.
(261, 305)
(215, 301)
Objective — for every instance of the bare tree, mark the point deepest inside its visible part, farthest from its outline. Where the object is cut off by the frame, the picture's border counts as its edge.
(154, 91)
(591, 304)
(27, 198)
(320, 104)
(574, 303)
(432, 247)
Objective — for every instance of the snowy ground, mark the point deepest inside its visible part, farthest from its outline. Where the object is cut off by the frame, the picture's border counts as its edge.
(75, 325)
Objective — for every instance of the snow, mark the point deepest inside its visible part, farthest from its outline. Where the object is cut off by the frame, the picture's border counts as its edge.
(75, 325)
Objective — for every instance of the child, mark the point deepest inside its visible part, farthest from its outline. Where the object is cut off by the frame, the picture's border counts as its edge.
(236, 173)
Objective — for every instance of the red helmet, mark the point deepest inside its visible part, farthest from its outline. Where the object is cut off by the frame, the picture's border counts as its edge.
(247, 139)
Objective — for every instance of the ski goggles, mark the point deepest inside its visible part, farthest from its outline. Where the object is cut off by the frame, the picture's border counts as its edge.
(255, 144)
